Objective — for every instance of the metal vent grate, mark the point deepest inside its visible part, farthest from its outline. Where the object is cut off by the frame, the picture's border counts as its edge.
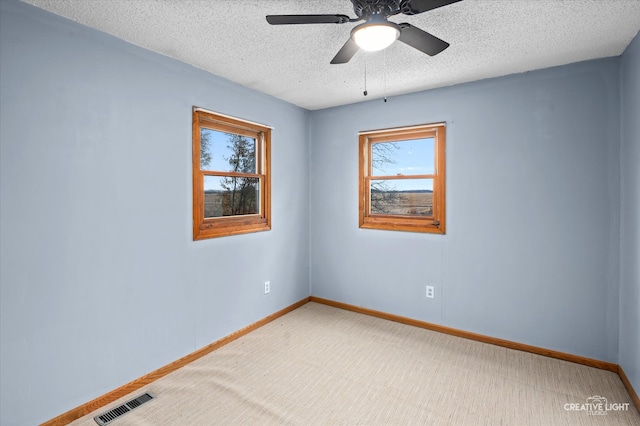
(111, 415)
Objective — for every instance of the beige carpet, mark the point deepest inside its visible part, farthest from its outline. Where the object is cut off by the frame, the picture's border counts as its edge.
(320, 365)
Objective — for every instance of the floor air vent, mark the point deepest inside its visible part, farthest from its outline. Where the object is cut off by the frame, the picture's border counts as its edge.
(111, 415)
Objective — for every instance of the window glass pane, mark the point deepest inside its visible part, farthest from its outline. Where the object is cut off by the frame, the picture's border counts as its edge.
(231, 196)
(412, 197)
(412, 157)
(227, 152)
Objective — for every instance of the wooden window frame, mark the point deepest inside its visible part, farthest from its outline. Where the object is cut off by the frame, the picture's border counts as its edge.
(435, 224)
(204, 228)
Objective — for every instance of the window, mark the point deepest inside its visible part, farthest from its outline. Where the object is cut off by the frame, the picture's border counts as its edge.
(402, 179)
(231, 176)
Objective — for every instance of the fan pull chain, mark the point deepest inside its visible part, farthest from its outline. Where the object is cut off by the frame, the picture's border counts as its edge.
(365, 76)
(384, 64)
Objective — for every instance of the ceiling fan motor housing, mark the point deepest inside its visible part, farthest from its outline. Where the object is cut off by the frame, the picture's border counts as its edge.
(365, 8)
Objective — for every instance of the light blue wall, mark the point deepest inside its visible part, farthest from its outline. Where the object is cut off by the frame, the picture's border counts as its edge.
(101, 282)
(532, 246)
(630, 217)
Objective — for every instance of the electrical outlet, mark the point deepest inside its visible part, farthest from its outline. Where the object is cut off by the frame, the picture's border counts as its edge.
(267, 287)
(431, 292)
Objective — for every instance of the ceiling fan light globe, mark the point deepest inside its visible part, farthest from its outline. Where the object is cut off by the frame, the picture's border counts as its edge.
(375, 36)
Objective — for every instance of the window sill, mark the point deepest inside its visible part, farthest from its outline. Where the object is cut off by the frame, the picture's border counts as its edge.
(230, 226)
(402, 224)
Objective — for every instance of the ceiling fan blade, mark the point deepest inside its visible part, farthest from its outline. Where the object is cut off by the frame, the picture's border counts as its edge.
(345, 54)
(307, 19)
(413, 7)
(421, 40)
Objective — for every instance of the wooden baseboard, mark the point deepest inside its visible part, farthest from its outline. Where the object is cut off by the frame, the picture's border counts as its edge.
(108, 398)
(473, 336)
(630, 389)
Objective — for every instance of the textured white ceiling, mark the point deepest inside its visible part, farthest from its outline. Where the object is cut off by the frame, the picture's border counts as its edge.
(489, 38)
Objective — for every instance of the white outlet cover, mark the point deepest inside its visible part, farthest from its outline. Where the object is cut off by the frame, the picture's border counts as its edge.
(430, 292)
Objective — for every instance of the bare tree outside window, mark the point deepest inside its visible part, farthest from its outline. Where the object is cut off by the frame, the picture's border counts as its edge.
(205, 154)
(241, 192)
(383, 195)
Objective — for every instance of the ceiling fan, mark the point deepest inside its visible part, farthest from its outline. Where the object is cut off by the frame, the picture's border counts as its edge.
(376, 33)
